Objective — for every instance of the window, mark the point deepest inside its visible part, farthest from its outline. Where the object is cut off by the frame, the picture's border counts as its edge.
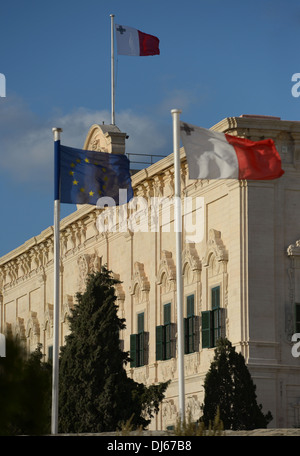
(139, 344)
(50, 353)
(165, 341)
(297, 317)
(191, 343)
(213, 324)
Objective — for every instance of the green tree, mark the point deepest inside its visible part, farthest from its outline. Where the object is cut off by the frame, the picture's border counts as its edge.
(95, 393)
(25, 386)
(229, 388)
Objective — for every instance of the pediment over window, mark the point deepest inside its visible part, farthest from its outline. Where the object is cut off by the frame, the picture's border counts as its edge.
(190, 256)
(215, 247)
(191, 264)
(139, 279)
(167, 268)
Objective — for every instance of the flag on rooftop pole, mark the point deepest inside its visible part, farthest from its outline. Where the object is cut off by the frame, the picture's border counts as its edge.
(81, 177)
(215, 155)
(131, 41)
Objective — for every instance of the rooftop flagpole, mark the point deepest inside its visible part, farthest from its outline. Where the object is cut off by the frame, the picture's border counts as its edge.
(55, 366)
(179, 285)
(112, 71)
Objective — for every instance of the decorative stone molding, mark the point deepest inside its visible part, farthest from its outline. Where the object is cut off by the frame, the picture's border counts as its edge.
(105, 138)
(139, 279)
(190, 257)
(166, 268)
(48, 319)
(87, 264)
(293, 251)
(158, 186)
(68, 304)
(285, 146)
(168, 369)
(169, 412)
(215, 247)
(32, 327)
(19, 330)
(193, 407)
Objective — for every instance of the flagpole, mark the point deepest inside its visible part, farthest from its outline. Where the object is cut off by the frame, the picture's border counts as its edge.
(179, 285)
(55, 366)
(112, 71)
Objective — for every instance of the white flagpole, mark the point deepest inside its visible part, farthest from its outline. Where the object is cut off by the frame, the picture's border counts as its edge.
(55, 366)
(179, 285)
(112, 71)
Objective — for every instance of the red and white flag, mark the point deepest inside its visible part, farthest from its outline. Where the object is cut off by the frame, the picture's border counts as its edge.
(131, 41)
(216, 155)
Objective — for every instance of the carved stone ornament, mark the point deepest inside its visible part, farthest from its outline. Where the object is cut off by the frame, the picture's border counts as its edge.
(105, 138)
(20, 329)
(190, 257)
(33, 327)
(139, 279)
(48, 319)
(86, 265)
(167, 268)
(285, 147)
(215, 247)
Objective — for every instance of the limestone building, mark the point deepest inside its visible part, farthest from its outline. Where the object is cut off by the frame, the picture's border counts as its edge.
(241, 273)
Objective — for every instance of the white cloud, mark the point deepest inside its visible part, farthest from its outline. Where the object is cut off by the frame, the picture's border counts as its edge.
(26, 141)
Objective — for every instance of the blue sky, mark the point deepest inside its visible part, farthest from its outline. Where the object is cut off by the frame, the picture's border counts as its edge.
(218, 59)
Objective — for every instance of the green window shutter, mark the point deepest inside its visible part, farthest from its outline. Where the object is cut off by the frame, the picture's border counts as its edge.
(146, 347)
(196, 333)
(215, 298)
(191, 334)
(133, 349)
(167, 313)
(190, 325)
(297, 317)
(206, 329)
(186, 335)
(167, 341)
(167, 336)
(159, 343)
(190, 306)
(140, 322)
(222, 322)
(141, 348)
(50, 353)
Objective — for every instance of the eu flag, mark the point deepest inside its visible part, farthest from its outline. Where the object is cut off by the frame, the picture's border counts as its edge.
(86, 176)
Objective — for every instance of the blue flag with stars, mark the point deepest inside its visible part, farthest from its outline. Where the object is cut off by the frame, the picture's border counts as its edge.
(86, 176)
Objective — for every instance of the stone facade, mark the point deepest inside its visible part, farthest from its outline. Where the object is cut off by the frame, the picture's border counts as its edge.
(241, 278)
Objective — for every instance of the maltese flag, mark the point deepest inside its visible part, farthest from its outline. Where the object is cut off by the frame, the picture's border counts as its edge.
(216, 155)
(131, 41)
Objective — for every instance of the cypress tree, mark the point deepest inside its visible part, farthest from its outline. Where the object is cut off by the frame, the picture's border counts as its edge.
(95, 393)
(229, 388)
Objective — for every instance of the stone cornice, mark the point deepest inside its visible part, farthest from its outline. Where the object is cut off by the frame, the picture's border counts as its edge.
(229, 124)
